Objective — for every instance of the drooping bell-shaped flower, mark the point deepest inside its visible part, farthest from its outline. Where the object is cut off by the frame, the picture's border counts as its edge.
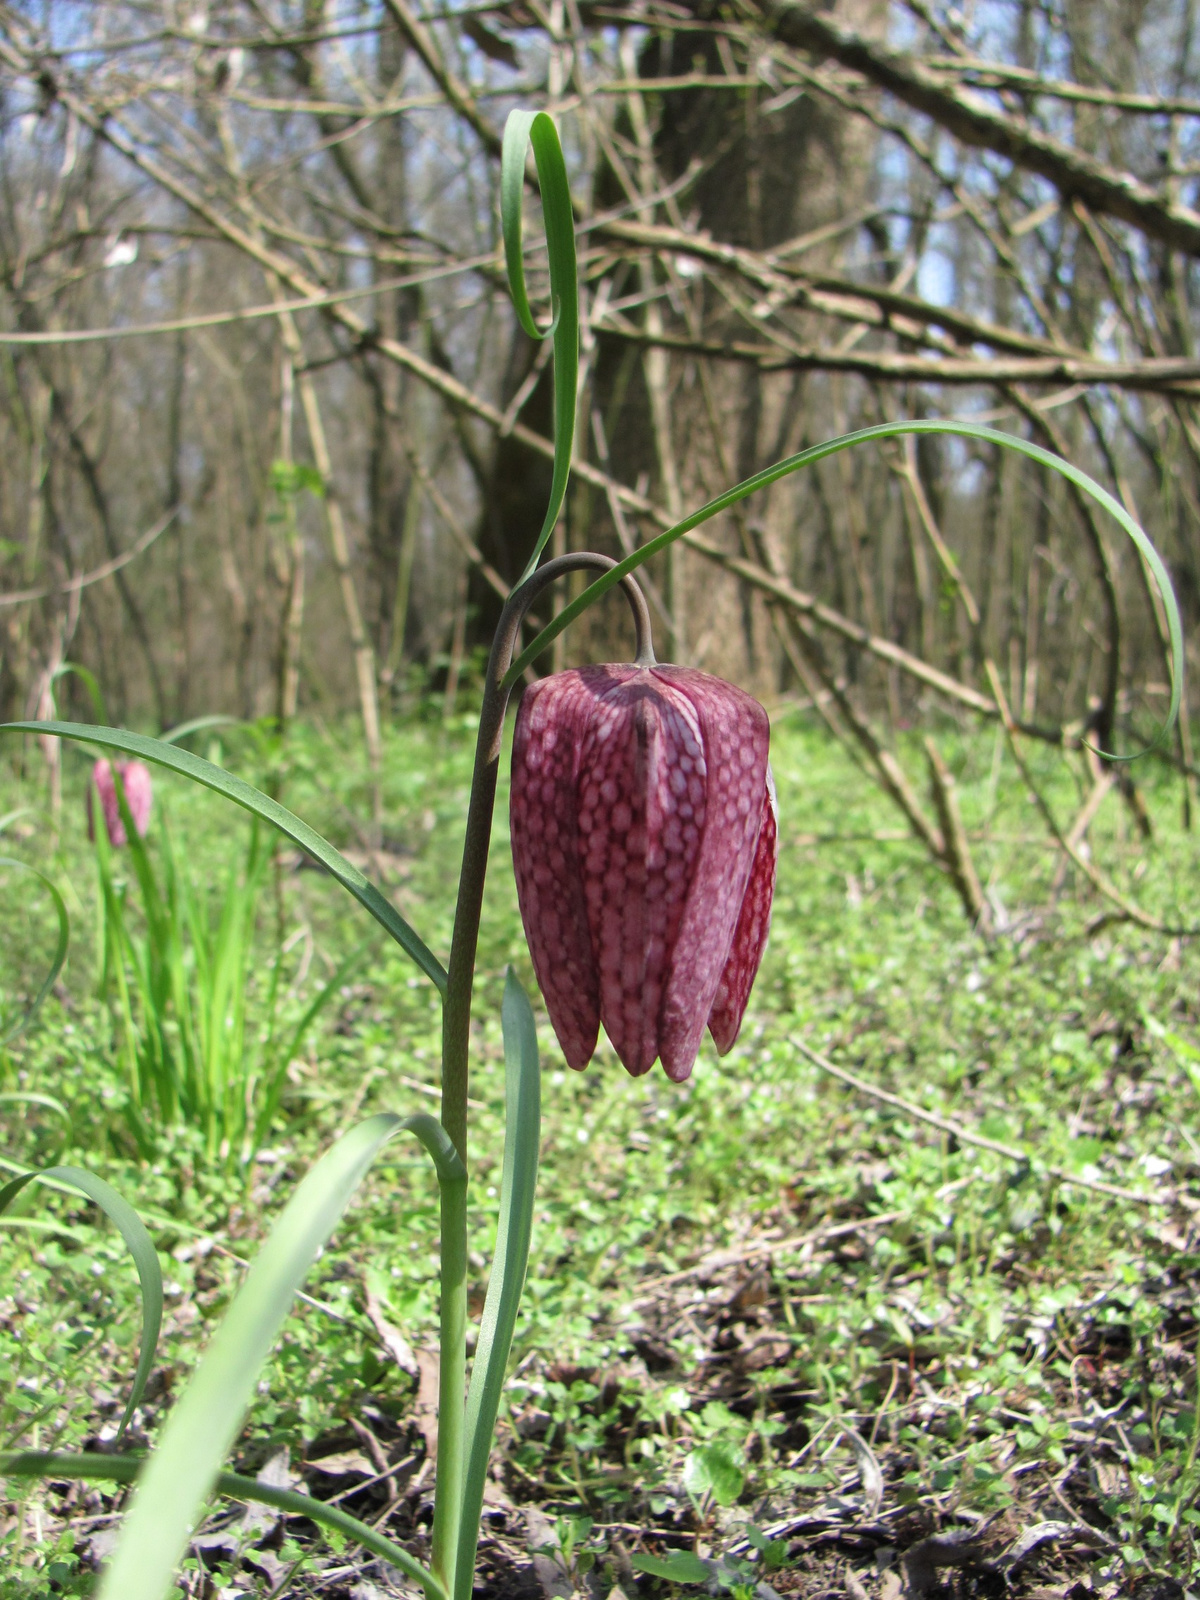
(135, 780)
(644, 841)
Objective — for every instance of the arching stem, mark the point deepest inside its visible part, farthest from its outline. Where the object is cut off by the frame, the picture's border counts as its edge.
(456, 1032)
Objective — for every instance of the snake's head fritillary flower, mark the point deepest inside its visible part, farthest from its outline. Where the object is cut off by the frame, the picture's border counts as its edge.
(644, 840)
(135, 779)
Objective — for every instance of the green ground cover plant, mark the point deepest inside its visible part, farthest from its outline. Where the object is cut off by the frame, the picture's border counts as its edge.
(728, 1452)
(1002, 1329)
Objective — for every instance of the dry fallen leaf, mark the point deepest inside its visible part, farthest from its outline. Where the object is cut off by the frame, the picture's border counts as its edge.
(425, 1407)
(869, 1471)
(393, 1341)
(344, 1464)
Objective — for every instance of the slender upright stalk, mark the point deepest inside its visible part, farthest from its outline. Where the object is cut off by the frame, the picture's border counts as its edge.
(452, 1380)
(456, 1032)
(456, 1022)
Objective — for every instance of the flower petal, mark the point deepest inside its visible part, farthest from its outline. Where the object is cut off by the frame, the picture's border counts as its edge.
(545, 847)
(641, 796)
(750, 936)
(736, 735)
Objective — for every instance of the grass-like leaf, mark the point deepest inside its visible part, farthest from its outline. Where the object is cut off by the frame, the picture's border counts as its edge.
(31, 1097)
(125, 1469)
(180, 994)
(883, 430)
(184, 730)
(206, 1420)
(140, 1247)
(271, 1089)
(536, 128)
(260, 805)
(522, 1132)
(89, 681)
(60, 949)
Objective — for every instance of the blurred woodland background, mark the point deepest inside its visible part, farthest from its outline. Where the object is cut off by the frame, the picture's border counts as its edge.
(271, 438)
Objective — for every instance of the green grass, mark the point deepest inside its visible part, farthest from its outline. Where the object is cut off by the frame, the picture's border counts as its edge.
(1004, 1337)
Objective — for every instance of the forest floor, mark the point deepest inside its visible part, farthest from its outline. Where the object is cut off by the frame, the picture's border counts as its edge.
(772, 1320)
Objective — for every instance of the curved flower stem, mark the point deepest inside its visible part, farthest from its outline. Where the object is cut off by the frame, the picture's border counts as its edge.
(457, 1014)
(456, 1030)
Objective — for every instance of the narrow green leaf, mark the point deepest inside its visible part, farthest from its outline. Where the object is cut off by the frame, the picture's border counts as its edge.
(522, 1133)
(279, 1056)
(125, 1469)
(199, 725)
(89, 682)
(44, 1225)
(681, 1566)
(261, 805)
(537, 128)
(32, 1098)
(60, 949)
(204, 1423)
(438, 1145)
(883, 430)
(139, 1245)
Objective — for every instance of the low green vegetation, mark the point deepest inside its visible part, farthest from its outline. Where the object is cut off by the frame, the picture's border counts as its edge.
(762, 1307)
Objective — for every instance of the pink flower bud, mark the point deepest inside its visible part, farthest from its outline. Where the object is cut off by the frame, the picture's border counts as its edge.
(644, 841)
(135, 779)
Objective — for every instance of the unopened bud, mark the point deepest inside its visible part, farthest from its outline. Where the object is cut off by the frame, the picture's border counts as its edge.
(135, 780)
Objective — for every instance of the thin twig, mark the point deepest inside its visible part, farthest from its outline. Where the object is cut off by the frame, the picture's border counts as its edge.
(965, 1136)
(20, 596)
(769, 1247)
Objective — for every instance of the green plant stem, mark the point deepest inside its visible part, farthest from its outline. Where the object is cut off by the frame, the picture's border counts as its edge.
(124, 1469)
(456, 1034)
(452, 1381)
(456, 1018)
